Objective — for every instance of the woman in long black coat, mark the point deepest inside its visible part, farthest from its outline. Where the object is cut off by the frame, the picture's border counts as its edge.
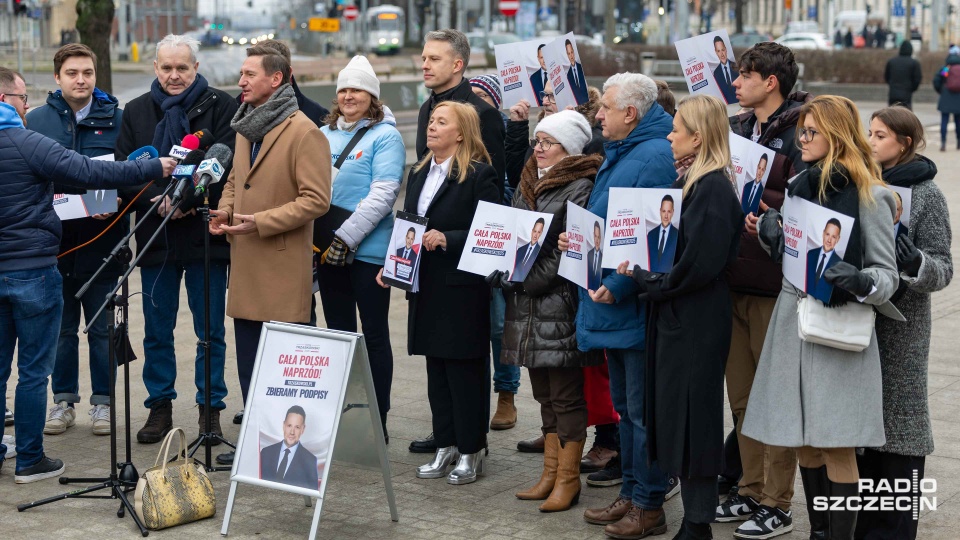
(691, 317)
(449, 316)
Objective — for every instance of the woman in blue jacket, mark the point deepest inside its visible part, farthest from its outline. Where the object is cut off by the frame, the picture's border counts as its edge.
(367, 185)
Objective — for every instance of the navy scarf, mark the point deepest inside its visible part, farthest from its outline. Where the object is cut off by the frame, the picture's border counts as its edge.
(174, 125)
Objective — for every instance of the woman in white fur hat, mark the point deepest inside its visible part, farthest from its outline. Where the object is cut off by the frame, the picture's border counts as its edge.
(364, 192)
(540, 327)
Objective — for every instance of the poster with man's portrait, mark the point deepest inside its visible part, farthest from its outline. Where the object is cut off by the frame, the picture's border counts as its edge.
(661, 212)
(404, 250)
(504, 238)
(560, 67)
(92, 203)
(522, 72)
(709, 65)
(815, 240)
(752, 163)
(901, 220)
(642, 228)
(582, 263)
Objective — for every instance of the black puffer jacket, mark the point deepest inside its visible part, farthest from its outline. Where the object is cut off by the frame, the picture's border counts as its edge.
(903, 75)
(540, 326)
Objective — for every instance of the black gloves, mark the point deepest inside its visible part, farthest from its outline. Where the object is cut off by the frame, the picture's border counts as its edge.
(498, 279)
(640, 275)
(847, 277)
(771, 233)
(908, 256)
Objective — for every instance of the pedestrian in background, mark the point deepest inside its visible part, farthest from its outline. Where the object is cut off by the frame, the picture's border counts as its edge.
(903, 75)
(949, 90)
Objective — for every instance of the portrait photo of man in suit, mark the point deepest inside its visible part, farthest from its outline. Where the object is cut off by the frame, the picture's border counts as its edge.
(595, 258)
(822, 258)
(288, 461)
(898, 226)
(662, 239)
(753, 191)
(100, 202)
(527, 253)
(578, 83)
(539, 78)
(408, 254)
(726, 72)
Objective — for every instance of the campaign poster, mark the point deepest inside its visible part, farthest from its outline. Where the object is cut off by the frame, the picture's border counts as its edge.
(403, 253)
(576, 79)
(557, 63)
(901, 220)
(815, 239)
(661, 213)
(91, 203)
(292, 410)
(504, 238)
(582, 262)
(751, 167)
(709, 66)
(521, 72)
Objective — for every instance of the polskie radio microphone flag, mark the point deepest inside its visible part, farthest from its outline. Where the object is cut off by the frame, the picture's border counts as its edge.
(183, 173)
(212, 169)
(189, 143)
(142, 153)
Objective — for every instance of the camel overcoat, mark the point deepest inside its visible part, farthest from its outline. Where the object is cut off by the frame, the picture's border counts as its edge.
(288, 186)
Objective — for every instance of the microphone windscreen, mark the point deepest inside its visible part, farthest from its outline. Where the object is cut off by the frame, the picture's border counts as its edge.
(222, 153)
(205, 138)
(194, 157)
(190, 141)
(145, 152)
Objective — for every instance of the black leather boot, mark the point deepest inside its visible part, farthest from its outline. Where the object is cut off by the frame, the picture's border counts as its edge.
(816, 484)
(843, 522)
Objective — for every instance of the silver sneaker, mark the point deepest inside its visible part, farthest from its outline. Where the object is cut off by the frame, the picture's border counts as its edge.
(11, 444)
(61, 417)
(441, 460)
(468, 468)
(100, 416)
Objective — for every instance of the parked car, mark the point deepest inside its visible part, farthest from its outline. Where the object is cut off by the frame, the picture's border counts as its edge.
(805, 41)
(477, 44)
(745, 40)
(797, 27)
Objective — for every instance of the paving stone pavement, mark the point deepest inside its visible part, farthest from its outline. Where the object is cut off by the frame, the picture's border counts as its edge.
(355, 505)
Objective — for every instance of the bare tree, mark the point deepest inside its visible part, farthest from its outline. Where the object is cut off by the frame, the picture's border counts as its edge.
(95, 24)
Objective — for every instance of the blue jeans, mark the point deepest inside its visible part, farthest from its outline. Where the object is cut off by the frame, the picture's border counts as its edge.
(66, 372)
(944, 122)
(645, 485)
(30, 308)
(161, 301)
(506, 378)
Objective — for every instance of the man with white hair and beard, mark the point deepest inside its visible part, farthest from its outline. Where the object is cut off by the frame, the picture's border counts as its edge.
(638, 155)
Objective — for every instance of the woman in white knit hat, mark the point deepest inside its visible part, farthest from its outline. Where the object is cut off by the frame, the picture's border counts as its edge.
(360, 217)
(540, 328)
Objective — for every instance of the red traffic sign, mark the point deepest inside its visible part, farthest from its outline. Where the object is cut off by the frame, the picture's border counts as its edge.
(351, 13)
(509, 7)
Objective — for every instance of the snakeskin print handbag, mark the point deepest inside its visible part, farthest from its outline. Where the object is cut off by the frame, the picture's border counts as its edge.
(175, 492)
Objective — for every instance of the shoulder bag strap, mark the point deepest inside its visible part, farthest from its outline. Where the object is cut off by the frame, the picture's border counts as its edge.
(350, 145)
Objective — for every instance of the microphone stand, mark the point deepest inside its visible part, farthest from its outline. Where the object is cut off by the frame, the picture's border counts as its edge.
(126, 481)
(207, 437)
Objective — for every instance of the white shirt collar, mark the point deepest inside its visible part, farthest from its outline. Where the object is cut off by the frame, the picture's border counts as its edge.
(82, 113)
(444, 166)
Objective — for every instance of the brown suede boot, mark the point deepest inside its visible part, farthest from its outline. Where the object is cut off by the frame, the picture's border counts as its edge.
(506, 415)
(638, 523)
(158, 424)
(610, 514)
(214, 423)
(542, 489)
(566, 491)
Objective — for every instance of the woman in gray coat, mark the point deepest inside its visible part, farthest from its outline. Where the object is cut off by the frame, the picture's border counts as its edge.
(824, 401)
(540, 328)
(926, 266)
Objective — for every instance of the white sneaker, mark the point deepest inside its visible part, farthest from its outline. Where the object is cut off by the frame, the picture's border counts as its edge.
(100, 416)
(60, 418)
(11, 446)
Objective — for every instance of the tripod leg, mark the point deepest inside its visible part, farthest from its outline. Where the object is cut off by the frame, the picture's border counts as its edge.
(126, 504)
(62, 496)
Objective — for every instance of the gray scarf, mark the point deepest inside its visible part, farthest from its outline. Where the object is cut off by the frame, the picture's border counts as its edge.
(255, 122)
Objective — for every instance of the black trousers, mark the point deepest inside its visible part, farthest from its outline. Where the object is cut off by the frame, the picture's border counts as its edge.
(887, 524)
(699, 495)
(732, 467)
(563, 409)
(343, 291)
(247, 337)
(459, 393)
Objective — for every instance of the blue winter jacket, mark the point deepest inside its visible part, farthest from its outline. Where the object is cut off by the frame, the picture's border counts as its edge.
(642, 160)
(29, 227)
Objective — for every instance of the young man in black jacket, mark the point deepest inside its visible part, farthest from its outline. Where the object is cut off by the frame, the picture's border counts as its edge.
(445, 57)
(767, 73)
(179, 102)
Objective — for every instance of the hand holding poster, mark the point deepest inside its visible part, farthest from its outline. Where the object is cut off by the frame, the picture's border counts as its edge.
(708, 65)
(582, 262)
(901, 221)
(814, 240)
(503, 238)
(403, 253)
(642, 228)
(751, 167)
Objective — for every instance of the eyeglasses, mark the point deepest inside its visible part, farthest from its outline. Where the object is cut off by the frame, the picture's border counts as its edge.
(545, 144)
(23, 97)
(545, 97)
(807, 134)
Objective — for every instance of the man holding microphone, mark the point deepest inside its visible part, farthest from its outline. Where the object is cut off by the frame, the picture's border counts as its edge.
(30, 285)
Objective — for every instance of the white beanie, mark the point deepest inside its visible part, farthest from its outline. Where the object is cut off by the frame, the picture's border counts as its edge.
(569, 128)
(359, 75)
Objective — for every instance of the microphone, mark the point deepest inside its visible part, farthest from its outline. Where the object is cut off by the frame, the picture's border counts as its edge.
(142, 153)
(189, 142)
(205, 138)
(211, 169)
(183, 173)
